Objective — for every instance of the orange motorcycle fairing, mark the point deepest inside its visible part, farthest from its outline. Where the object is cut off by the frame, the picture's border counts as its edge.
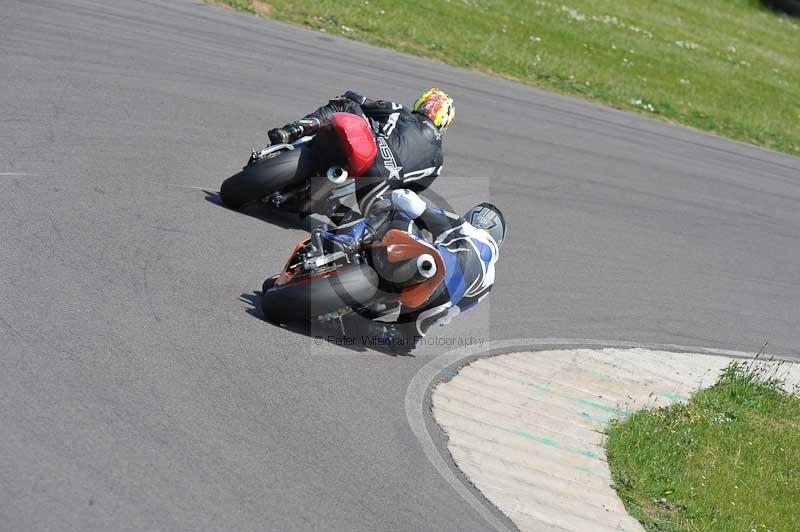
(286, 274)
(401, 246)
(292, 276)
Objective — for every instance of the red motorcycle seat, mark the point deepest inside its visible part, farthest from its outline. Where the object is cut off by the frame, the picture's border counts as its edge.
(358, 142)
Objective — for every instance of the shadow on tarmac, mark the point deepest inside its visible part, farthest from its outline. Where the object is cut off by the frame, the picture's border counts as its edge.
(357, 337)
(269, 214)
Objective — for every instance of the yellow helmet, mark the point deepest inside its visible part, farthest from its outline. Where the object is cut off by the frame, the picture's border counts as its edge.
(437, 106)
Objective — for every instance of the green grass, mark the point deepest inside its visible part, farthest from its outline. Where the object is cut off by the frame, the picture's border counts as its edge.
(727, 66)
(729, 460)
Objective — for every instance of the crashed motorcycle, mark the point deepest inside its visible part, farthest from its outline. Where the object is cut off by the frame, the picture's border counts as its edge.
(336, 286)
(310, 175)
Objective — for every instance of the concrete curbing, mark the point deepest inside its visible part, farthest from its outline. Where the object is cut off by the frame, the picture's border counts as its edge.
(525, 427)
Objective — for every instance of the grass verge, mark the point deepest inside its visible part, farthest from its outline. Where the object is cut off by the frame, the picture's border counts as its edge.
(726, 66)
(727, 460)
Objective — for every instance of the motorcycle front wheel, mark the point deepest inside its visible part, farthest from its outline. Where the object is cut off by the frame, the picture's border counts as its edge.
(352, 285)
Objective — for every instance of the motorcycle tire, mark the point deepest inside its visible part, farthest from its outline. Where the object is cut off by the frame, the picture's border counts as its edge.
(351, 285)
(275, 172)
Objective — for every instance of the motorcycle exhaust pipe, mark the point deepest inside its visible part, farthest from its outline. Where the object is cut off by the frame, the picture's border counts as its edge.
(409, 272)
(335, 176)
(426, 266)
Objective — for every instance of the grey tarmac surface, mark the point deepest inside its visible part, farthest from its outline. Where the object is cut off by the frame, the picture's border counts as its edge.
(136, 390)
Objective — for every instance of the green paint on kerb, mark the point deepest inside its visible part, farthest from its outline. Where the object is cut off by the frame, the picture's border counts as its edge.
(541, 387)
(600, 374)
(553, 443)
(541, 439)
(613, 410)
(601, 419)
(674, 397)
(584, 452)
(590, 404)
(604, 408)
(537, 386)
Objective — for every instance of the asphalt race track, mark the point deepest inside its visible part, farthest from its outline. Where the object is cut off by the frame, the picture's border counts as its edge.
(138, 390)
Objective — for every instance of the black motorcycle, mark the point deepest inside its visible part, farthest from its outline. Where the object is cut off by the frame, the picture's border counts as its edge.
(310, 175)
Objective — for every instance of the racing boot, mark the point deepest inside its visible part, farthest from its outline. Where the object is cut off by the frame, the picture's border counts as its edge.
(284, 135)
(349, 239)
(293, 131)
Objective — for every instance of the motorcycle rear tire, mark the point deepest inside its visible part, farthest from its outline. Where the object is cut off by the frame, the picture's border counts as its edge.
(352, 285)
(277, 171)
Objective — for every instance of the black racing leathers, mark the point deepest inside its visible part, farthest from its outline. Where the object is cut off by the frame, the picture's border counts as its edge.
(409, 147)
